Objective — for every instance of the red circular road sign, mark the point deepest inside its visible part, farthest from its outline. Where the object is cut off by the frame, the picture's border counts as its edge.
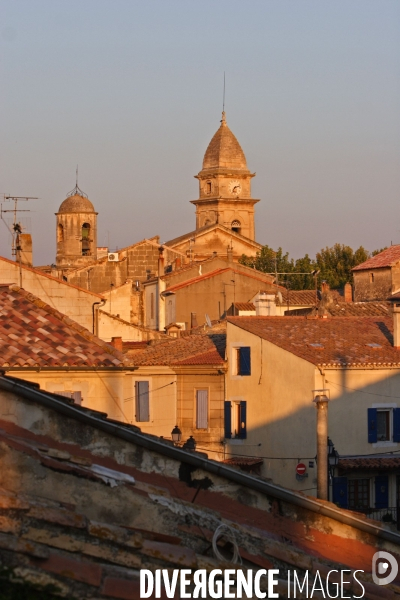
(301, 469)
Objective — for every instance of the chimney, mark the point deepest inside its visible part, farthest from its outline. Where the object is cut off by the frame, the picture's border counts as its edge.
(324, 287)
(265, 305)
(24, 249)
(348, 292)
(396, 325)
(117, 343)
(193, 320)
(161, 261)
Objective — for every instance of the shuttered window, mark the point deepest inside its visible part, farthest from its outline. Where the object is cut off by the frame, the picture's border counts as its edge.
(142, 401)
(202, 409)
(243, 361)
(235, 419)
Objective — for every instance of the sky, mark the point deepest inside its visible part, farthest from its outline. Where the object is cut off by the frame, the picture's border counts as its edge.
(131, 91)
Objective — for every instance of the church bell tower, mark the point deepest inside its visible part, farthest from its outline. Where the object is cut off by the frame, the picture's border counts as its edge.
(225, 186)
(76, 231)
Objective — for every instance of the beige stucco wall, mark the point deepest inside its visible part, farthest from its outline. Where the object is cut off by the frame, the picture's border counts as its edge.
(101, 390)
(282, 417)
(280, 412)
(162, 400)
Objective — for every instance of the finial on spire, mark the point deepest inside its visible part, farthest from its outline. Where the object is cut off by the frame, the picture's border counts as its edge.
(223, 120)
(77, 190)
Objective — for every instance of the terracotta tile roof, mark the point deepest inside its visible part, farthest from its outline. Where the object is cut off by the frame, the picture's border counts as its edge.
(205, 228)
(359, 309)
(243, 461)
(369, 463)
(387, 258)
(243, 306)
(338, 342)
(299, 297)
(195, 349)
(33, 333)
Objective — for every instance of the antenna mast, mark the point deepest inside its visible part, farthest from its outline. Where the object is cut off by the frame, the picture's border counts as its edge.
(223, 97)
(16, 228)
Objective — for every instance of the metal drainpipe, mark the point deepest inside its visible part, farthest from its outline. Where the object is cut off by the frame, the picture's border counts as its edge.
(101, 303)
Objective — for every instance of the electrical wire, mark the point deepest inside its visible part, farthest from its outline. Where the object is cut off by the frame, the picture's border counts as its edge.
(228, 533)
(362, 391)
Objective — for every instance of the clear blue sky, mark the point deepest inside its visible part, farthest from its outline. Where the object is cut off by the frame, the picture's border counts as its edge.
(132, 92)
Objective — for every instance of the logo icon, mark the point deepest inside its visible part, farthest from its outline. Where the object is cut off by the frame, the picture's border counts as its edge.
(384, 568)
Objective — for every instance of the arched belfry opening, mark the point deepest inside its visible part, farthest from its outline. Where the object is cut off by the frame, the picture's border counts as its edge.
(60, 232)
(236, 226)
(86, 239)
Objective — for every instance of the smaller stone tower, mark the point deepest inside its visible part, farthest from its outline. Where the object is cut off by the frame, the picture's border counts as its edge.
(76, 231)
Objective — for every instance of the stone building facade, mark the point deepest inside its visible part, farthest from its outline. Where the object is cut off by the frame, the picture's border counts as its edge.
(378, 277)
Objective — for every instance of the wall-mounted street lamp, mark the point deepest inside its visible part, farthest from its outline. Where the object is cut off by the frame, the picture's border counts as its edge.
(190, 444)
(176, 434)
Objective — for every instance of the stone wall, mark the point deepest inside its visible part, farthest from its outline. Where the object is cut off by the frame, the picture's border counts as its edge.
(373, 284)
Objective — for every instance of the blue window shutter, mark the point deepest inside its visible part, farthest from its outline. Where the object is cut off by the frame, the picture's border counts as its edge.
(396, 424)
(339, 491)
(245, 365)
(228, 419)
(142, 401)
(243, 420)
(372, 428)
(381, 491)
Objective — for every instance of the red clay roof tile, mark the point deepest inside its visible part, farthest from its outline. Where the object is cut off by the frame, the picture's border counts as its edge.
(47, 337)
(387, 258)
(338, 341)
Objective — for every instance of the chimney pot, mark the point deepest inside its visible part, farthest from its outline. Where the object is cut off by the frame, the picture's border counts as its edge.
(117, 343)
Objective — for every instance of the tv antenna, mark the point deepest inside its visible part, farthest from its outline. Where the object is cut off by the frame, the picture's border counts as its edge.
(16, 226)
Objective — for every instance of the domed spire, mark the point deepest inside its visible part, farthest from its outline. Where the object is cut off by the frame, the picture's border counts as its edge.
(224, 151)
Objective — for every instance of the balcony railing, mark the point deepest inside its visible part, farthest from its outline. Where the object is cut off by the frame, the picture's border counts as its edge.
(386, 515)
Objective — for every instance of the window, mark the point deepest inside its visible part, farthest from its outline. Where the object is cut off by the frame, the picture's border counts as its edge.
(242, 363)
(60, 233)
(142, 401)
(235, 226)
(383, 425)
(371, 277)
(235, 416)
(201, 409)
(208, 187)
(75, 396)
(151, 306)
(358, 494)
(85, 239)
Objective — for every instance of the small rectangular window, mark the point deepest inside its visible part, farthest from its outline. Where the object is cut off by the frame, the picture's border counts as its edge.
(201, 409)
(383, 425)
(371, 277)
(242, 360)
(142, 401)
(75, 396)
